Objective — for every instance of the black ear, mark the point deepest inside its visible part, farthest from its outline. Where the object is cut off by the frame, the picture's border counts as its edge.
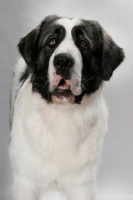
(112, 56)
(28, 46)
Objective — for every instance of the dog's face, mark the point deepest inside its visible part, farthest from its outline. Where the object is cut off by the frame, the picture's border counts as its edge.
(68, 58)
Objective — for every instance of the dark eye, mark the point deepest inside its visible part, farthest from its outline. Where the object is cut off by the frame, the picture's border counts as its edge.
(83, 44)
(52, 41)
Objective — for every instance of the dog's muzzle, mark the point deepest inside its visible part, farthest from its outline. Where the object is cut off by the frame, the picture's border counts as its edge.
(64, 84)
(63, 63)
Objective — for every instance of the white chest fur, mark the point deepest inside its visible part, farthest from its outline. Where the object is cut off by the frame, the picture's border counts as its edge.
(51, 141)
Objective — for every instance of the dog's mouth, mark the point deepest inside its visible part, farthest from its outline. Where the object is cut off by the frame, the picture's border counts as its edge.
(62, 89)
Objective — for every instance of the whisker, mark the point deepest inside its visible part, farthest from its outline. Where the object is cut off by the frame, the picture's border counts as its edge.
(83, 86)
(84, 79)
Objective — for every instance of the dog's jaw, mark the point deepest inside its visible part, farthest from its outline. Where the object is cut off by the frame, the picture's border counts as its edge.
(63, 90)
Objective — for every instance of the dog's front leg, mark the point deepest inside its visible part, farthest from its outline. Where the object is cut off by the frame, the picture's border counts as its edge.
(23, 189)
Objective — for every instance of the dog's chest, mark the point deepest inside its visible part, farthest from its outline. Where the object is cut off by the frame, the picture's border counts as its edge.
(60, 138)
(64, 139)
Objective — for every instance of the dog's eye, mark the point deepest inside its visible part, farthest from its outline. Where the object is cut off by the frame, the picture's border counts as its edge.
(52, 41)
(83, 44)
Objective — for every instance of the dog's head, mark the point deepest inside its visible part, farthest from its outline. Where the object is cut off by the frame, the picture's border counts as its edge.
(69, 58)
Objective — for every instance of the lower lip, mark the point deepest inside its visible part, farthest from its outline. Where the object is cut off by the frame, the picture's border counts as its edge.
(65, 93)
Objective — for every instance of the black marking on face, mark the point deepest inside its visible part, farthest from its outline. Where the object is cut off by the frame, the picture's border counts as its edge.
(40, 75)
(100, 54)
(38, 55)
(94, 48)
(90, 81)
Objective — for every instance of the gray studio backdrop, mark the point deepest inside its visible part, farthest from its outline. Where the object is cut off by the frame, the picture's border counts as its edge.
(17, 18)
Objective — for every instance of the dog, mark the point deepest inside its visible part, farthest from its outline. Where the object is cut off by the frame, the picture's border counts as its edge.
(58, 113)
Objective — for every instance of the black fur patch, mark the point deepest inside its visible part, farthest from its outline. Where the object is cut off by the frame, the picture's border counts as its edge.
(40, 74)
(101, 57)
(37, 52)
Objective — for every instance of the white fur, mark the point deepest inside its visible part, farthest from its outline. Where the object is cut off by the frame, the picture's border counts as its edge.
(55, 145)
(68, 46)
(16, 84)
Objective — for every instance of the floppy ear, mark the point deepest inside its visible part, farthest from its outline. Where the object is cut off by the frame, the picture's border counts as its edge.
(112, 56)
(28, 46)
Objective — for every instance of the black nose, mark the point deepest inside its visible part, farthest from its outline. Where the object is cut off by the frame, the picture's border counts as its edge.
(63, 61)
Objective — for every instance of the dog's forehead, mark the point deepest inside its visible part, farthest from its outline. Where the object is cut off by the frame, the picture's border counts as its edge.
(68, 24)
